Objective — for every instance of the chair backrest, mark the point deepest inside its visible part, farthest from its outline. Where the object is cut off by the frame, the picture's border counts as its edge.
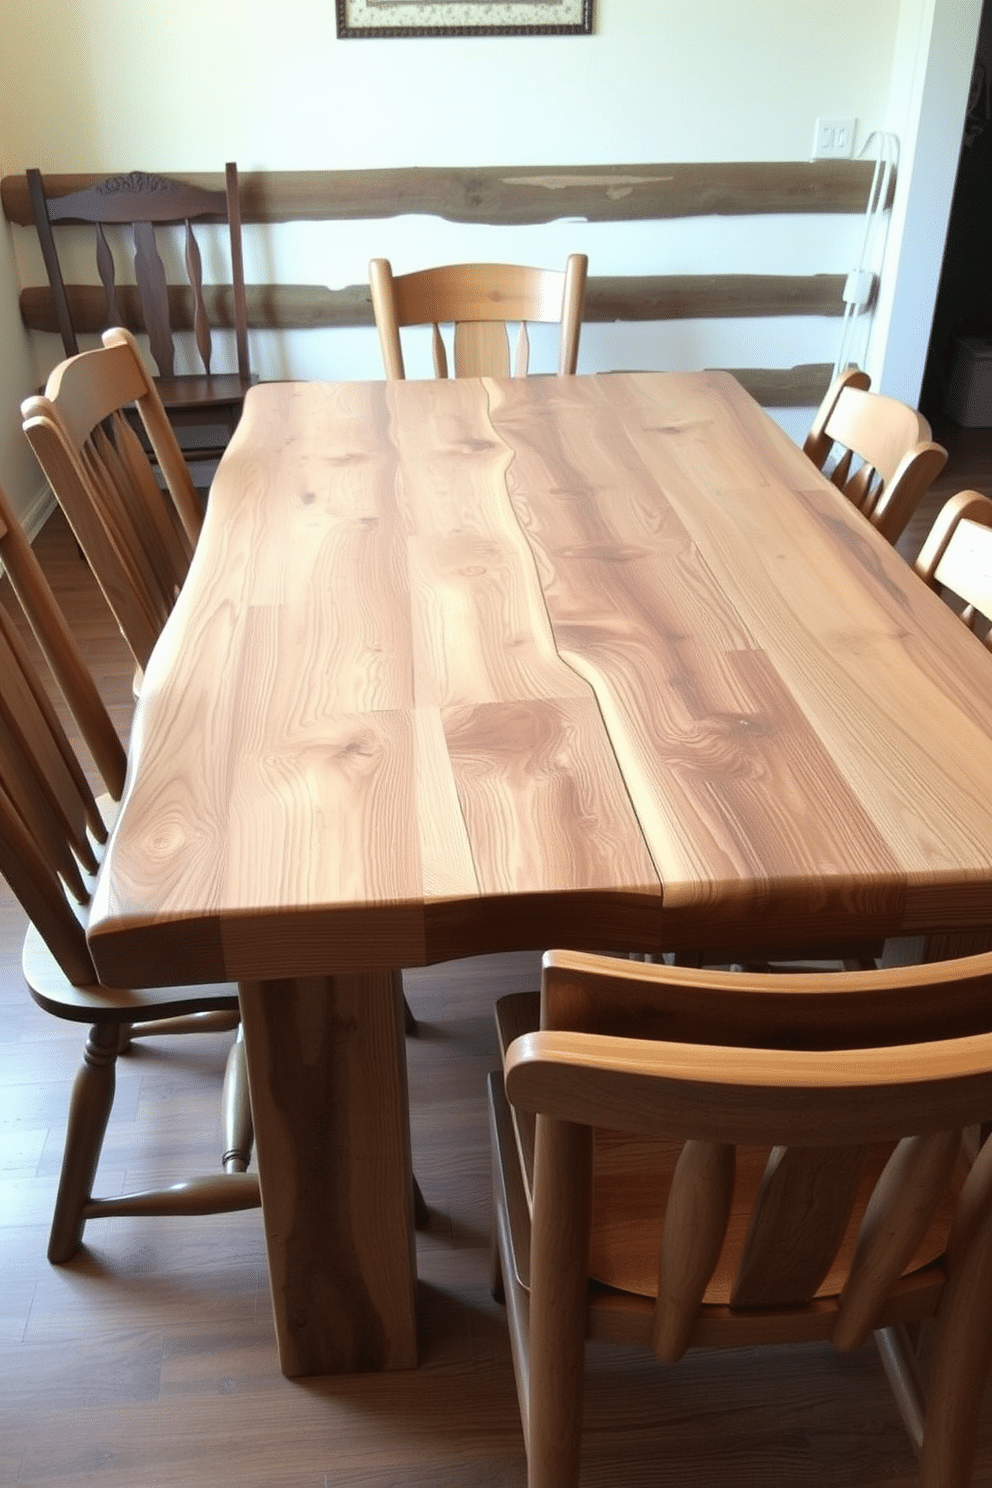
(813, 1114)
(818, 443)
(956, 557)
(884, 457)
(145, 203)
(480, 300)
(137, 537)
(50, 824)
(60, 651)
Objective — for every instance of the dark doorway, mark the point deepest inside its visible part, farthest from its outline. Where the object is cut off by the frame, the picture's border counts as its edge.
(963, 309)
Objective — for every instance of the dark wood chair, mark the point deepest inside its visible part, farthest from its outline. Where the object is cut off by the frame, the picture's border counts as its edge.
(52, 832)
(706, 1159)
(203, 402)
(479, 300)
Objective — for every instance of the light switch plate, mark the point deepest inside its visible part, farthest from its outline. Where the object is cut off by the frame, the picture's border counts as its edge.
(833, 139)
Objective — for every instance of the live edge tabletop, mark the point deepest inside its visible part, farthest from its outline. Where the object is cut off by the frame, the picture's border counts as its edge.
(478, 665)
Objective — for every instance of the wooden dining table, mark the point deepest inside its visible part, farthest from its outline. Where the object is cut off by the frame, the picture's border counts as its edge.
(476, 665)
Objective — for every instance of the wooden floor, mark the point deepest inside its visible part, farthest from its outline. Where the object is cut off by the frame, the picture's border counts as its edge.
(150, 1360)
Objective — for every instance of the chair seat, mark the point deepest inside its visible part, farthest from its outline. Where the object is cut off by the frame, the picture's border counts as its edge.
(52, 990)
(177, 393)
(632, 1177)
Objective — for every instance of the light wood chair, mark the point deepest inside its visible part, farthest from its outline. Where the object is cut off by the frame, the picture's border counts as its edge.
(479, 300)
(884, 458)
(145, 205)
(702, 1159)
(956, 558)
(137, 537)
(52, 831)
(853, 377)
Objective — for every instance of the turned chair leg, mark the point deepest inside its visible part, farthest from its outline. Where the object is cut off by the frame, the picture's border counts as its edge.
(89, 1111)
(236, 1123)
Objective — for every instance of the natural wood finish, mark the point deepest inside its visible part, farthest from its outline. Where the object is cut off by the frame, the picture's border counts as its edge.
(519, 194)
(146, 203)
(957, 556)
(314, 306)
(479, 300)
(889, 853)
(699, 1203)
(901, 1210)
(818, 442)
(339, 1245)
(444, 617)
(796, 387)
(137, 538)
(884, 457)
(52, 835)
(719, 1100)
(809, 1197)
(612, 193)
(58, 646)
(153, 1323)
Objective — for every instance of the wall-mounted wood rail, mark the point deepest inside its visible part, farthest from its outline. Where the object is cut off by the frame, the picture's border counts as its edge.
(292, 307)
(513, 195)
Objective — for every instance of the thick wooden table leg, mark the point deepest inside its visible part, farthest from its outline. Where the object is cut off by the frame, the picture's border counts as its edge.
(327, 1071)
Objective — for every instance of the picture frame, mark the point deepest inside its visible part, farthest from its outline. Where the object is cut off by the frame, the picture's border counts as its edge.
(405, 18)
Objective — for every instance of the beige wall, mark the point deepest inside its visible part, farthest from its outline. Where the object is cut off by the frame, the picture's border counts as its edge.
(18, 472)
(679, 80)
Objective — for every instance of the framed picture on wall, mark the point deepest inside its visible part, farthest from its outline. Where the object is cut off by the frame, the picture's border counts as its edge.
(371, 18)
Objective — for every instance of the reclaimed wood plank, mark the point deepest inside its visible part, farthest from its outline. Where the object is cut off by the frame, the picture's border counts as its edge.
(518, 194)
(314, 306)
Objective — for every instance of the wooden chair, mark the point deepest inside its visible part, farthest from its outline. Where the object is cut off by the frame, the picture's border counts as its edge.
(52, 830)
(956, 558)
(703, 1159)
(137, 537)
(885, 460)
(853, 377)
(147, 204)
(479, 300)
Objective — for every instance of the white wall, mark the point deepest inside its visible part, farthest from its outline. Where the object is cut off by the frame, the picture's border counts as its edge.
(107, 84)
(928, 96)
(660, 80)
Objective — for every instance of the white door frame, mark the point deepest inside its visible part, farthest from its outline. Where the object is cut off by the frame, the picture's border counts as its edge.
(932, 69)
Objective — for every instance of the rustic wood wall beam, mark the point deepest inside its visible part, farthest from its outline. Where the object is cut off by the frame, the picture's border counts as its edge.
(521, 194)
(786, 387)
(290, 307)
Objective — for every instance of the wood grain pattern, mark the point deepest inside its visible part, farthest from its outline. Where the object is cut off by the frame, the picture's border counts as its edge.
(525, 560)
(790, 1233)
(519, 194)
(157, 1346)
(340, 1246)
(481, 665)
(311, 306)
